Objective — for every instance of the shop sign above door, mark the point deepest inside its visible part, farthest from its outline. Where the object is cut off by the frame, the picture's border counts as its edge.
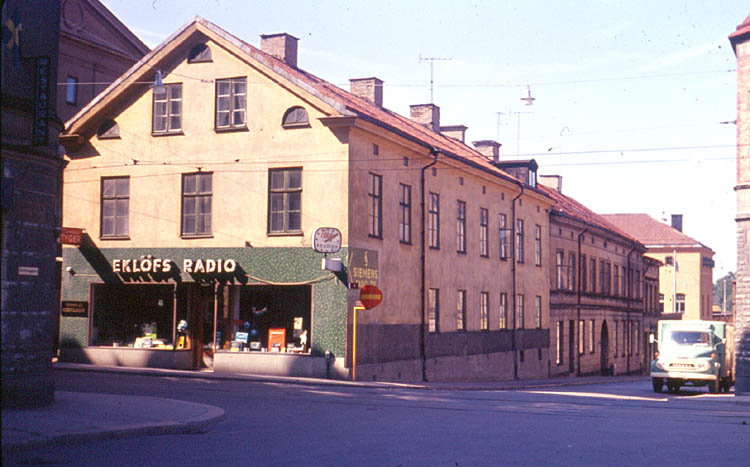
(326, 240)
(71, 236)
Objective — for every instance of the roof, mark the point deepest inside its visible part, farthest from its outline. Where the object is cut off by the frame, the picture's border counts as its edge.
(742, 33)
(343, 103)
(569, 207)
(652, 232)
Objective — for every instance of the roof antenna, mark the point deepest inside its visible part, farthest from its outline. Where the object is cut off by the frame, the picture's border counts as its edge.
(529, 100)
(432, 61)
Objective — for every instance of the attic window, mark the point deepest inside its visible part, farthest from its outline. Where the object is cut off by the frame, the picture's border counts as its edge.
(108, 130)
(295, 117)
(200, 53)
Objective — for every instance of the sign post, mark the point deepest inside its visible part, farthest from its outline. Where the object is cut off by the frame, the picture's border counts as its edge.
(354, 342)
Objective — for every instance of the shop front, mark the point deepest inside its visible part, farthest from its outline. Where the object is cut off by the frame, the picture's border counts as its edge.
(269, 311)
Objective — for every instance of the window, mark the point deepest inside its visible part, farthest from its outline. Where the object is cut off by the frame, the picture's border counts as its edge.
(581, 334)
(199, 53)
(295, 117)
(538, 245)
(461, 226)
(484, 246)
(196, 204)
(616, 282)
(617, 337)
(503, 310)
(661, 303)
(584, 281)
(593, 275)
(71, 90)
(375, 206)
(560, 272)
(591, 336)
(484, 311)
(285, 201)
(669, 260)
(115, 206)
(404, 221)
(504, 237)
(433, 310)
(461, 311)
(571, 271)
(559, 356)
(231, 100)
(434, 221)
(519, 311)
(680, 303)
(167, 116)
(538, 311)
(602, 278)
(519, 240)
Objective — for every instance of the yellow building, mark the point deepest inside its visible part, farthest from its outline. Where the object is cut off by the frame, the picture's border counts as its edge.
(200, 178)
(686, 274)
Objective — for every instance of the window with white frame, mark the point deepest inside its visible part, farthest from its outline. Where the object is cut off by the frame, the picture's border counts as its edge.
(484, 311)
(461, 311)
(231, 103)
(433, 310)
(484, 246)
(461, 226)
(503, 310)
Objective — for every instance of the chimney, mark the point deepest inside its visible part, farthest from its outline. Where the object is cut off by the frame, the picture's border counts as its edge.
(552, 181)
(677, 222)
(426, 114)
(454, 131)
(368, 88)
(489, 149)
(282, 46)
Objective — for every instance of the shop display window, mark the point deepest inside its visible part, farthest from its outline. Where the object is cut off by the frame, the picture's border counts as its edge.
(132, 316)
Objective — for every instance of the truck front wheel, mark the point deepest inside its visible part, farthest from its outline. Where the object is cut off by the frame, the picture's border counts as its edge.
(658, 384)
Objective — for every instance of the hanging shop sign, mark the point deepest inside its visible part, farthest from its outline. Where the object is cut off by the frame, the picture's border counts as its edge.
(363, 267)
(165, 265)
(326, 240)
(71, 236)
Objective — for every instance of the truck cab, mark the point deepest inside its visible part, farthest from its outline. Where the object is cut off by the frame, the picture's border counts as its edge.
(697, 353)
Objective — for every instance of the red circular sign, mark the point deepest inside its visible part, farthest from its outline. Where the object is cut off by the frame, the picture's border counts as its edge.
(370, 296)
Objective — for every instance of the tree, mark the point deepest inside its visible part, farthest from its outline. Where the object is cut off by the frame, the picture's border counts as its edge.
(725, 286)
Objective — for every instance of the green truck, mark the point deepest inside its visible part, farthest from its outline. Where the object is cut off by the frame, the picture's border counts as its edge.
(697, 353)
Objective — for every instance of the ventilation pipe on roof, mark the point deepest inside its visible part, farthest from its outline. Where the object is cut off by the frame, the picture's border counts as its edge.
(677, 222)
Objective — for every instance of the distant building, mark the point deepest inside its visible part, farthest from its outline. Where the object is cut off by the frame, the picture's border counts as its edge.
(603, 296)
(740, 40)
(200, 198)
(686, 274)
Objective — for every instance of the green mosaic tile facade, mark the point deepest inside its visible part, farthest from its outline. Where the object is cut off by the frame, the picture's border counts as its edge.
(275, 266)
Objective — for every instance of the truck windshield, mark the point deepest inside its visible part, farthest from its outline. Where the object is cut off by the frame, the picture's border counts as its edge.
(689, 338)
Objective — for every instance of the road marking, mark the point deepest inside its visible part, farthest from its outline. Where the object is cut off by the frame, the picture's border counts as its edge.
(599, 396)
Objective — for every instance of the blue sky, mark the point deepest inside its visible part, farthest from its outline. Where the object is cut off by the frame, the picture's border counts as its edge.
(630, 95)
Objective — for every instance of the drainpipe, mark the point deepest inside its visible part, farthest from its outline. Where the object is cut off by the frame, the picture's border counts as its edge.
(513, 275)
(423, 268)
(579, 292)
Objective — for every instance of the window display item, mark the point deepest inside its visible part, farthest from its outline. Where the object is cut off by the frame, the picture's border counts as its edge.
(276, 339)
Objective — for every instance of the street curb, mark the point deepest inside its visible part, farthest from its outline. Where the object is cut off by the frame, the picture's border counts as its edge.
(198, 424)
(511, 385)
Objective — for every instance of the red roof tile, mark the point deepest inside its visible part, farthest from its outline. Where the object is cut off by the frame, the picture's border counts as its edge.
(650, 231)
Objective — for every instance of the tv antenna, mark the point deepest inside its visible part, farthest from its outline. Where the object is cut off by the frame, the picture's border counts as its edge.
(432, 61)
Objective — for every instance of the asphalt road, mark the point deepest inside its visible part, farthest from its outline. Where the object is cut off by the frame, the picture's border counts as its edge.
(272, 424)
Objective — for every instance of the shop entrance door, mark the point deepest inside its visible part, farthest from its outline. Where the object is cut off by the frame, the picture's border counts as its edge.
(201, 323)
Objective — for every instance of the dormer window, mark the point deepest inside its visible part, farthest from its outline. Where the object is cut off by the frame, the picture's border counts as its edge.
(532, 178)
(295, 117)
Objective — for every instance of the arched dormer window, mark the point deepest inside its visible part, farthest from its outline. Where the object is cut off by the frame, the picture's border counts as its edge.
(199, 53)
(295, 117)
(108, 130)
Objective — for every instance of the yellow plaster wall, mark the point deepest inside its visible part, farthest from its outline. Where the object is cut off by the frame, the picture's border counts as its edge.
(240, 201)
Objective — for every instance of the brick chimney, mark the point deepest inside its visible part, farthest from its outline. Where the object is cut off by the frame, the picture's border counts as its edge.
(677, 222)
(368, 88)
(489, 149)
(454, 131)
(552, 181)
(426, 114)
(282, 46)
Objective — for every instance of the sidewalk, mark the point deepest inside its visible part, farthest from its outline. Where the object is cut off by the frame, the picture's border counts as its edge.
(77, 416)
